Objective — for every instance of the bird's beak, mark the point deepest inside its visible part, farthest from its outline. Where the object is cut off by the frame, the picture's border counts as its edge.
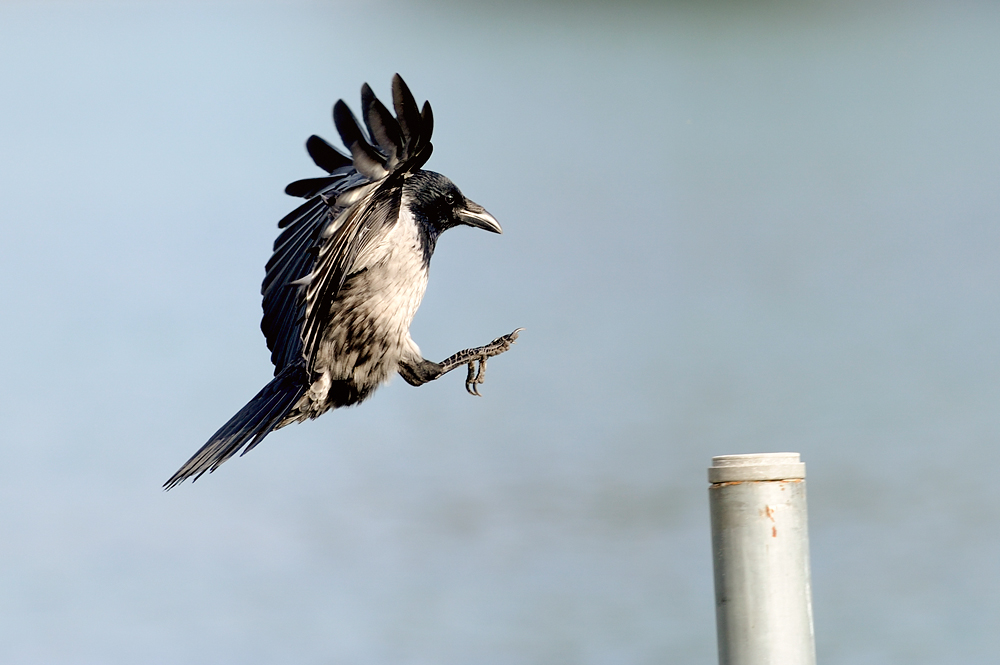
(475, 215)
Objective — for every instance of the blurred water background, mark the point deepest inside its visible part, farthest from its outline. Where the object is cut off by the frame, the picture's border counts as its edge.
(729, 227)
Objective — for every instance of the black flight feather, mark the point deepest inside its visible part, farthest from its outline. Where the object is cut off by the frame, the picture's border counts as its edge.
(310, 187)
(382, 126)
(325, 155)
(427, 118)
(366, 159)
(407, 115)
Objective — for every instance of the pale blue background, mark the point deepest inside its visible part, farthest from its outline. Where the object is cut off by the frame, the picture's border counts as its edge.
(730, 227)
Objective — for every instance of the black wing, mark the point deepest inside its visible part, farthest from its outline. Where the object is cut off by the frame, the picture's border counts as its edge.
(294, 255)
(345, 212)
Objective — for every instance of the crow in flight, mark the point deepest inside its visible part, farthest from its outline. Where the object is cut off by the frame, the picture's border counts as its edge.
(348, 273)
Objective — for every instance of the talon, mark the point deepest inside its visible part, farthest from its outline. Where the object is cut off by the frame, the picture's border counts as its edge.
(510, 338)
(470, 378)
(476, 375)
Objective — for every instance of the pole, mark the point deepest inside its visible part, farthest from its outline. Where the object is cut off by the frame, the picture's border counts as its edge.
(760, 547)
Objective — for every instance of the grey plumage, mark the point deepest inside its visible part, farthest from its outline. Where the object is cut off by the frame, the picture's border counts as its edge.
(348, 272)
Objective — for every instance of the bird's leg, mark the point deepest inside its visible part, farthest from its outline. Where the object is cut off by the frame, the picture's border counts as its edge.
(475, 359)
(422, 371)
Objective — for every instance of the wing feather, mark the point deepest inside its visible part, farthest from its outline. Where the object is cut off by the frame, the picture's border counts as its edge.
(427, 119)
(367, 160)
(382, 126)
(407, 114)
(325, 155)
(310, 187)
(294, 255)
(282, 302)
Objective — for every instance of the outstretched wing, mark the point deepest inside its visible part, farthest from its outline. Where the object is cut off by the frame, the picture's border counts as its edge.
(345, 212)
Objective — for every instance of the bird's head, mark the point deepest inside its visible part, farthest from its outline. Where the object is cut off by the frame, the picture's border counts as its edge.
(435, 200)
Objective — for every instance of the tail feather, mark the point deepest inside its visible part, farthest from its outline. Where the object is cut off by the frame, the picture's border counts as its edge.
(248, 427)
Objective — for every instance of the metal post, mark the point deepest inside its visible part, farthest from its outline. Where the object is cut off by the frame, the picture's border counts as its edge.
(760, 546)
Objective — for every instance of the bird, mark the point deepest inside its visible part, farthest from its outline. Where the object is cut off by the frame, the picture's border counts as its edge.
(347, 274)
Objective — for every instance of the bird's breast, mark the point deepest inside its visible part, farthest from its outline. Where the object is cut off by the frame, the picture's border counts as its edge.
(369, 328)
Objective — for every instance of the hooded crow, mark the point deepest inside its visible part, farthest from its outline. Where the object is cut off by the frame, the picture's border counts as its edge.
(348, 273)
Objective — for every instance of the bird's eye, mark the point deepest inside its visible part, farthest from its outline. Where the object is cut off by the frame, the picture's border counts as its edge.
(449, 199)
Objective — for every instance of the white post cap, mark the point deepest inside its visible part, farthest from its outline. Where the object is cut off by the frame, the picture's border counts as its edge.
(757, 466)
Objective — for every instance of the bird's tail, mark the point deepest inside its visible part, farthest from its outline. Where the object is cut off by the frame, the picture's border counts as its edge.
(251, 424)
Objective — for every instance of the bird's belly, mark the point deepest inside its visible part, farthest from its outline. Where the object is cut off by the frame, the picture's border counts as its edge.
(369, 329)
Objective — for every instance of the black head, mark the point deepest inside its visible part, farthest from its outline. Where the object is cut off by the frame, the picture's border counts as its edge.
(435, 200)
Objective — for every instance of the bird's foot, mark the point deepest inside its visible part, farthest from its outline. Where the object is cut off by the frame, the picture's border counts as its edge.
(477, 375)
(475, 359)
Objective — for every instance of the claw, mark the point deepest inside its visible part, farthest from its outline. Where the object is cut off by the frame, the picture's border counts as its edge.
(470, 380)
(480, 375)
(476, 376)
